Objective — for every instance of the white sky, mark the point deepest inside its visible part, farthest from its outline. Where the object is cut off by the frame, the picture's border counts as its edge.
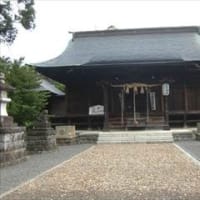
(55, 18)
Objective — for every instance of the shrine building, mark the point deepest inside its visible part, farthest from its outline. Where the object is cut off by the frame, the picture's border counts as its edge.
(129, 78)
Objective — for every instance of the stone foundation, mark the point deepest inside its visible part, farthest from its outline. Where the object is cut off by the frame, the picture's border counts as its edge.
(184, 136)
(12, 145)
(66, 135)
(41, 139)
(66, 141)
(87, 139)
(198, 137)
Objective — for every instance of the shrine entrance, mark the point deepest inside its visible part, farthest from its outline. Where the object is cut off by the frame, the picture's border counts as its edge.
(136, 105)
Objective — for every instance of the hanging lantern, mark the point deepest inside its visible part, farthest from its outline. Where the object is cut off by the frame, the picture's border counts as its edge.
(4, 100)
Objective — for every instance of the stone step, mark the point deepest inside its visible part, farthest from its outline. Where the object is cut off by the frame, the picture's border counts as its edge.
(138, 141)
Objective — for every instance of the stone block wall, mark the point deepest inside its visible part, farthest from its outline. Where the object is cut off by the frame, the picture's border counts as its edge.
(41, 139)
(198, 131)
(12, 145)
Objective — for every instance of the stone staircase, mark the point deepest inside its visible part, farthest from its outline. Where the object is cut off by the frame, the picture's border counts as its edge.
(134, 137)
(126, 137)
(139, 136)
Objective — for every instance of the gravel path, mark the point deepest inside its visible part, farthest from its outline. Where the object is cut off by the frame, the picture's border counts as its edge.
(119, 171)
(14, 175)
(192, 147)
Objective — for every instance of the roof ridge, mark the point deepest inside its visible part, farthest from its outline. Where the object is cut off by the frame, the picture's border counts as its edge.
(153, 30)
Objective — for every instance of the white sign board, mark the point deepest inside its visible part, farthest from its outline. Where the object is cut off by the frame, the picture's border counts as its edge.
(165, 89)
(153, 100)
(96, 110)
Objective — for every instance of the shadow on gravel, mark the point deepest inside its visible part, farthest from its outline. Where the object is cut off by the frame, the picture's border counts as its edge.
(101, 195)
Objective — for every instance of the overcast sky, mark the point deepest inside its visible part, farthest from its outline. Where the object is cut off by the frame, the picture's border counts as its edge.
(55, 18)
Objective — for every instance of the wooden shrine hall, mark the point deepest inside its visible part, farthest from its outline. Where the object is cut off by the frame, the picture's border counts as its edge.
(129, 78)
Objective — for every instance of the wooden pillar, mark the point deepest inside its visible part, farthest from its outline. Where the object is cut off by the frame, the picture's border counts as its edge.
(67, 104)
(112, 100)
(89, 104)
(166, 112)
(134, 107)
(185, 104)
(66, 100)
(147, 105)
(166, 93)
(162, 103)
(106, 111)
(122, 106)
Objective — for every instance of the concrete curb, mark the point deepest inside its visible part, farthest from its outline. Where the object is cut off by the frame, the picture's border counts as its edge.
(197, 162)
(43, 173)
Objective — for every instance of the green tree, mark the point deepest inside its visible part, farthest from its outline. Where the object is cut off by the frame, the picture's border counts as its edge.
(26, 103)
(13, 13)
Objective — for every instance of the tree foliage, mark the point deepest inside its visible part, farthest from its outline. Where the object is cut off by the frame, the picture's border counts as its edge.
(13, 13)
(26, 103)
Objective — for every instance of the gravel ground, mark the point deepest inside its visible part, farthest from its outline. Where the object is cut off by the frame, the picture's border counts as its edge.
(14, 175)
(192, 147)
(118, 171)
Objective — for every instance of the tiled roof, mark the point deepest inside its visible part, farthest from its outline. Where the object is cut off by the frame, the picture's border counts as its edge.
(129, 46)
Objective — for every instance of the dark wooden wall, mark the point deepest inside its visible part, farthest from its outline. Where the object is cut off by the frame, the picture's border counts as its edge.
(187, 98)
(80, 98)
(183, 101)
(193, 98)
(57, 106)
(176, 97)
